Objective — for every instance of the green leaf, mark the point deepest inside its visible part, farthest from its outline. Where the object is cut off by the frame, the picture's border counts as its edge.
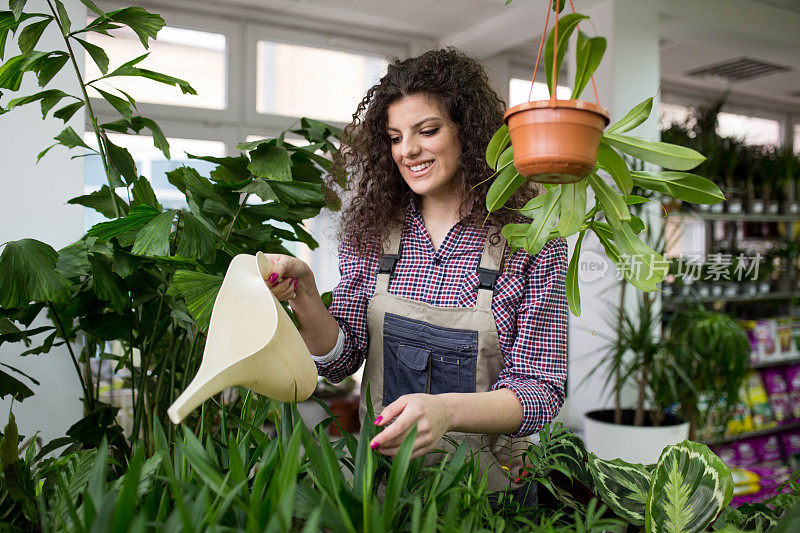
(49, 98)
(66, 24)
(539, 230)
(496, 146)
(506, 183)
(566, 25)
(622, 486)
(121, 161)
(271, 162)
(143, 23)
(199, 291)
(92, 6)
(610, 161)
(640, 265)
(397, 478)
(70, 139)
(11, 385)
(635, 117)
(195, 239)
(28, 273)
(31, 35)
(299, 193)
(107, 285)
(572, 208)
(73, 260)
(48, 65)
(122, 106)
(690, 487)
(571, 282)
(588, 55)
(128, 69)
(97, 54)
(143, 194)
(46, 346)
(66, 112)
(681, 185)
(137, 217)
(16, 7)
(612, 203)
(159, 139)
(153, 238)
(11, 73)
(101, 202)
(663, 154)
(260, 187)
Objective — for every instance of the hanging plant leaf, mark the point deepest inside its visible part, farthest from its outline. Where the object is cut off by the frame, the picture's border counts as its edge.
(622, 486)
(496, 146)
(153, 239)
(666, 155)
(539, 230)
(610, 161)
(572, 208)
(640, 264)
(507, 182)
(588, 55)
(566, 25)
(690, 488)
(612, 203)
(28, 273)
(681, 185)
(633, 118)
(571, 282)
(199, 291)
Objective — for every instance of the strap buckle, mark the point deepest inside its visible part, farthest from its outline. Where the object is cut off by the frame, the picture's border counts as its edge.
(487, 279)
(387, 262)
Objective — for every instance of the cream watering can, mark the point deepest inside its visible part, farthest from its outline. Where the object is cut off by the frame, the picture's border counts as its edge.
(251, 342)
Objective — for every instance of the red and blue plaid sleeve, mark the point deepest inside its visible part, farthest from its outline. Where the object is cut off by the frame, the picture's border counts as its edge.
(349, 307)
(534, 339)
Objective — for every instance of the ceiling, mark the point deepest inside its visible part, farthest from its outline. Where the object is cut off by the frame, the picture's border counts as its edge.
(694, 33)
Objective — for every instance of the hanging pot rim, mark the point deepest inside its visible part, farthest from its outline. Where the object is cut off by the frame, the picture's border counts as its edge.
(583, 105)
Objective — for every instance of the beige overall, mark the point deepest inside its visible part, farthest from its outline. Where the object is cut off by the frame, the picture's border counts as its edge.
(418, 347)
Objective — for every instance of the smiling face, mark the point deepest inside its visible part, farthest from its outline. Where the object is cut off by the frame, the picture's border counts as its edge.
(425, 145)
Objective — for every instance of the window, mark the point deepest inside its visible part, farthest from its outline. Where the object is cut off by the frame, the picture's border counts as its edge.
(752, 130)
(198, 57)
(519, 89)
(150, 163)
(294, 80)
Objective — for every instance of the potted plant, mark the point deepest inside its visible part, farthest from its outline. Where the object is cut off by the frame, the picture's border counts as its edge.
(564, 209)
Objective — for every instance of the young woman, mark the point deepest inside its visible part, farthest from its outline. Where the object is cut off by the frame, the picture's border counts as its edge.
(460, 336)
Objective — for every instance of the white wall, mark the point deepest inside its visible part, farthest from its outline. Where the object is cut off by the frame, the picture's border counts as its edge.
(33, 205)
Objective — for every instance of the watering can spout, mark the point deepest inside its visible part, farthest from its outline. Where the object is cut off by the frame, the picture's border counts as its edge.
(251, 342)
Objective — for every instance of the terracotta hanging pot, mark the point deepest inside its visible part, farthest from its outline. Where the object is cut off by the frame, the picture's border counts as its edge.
(556, 141)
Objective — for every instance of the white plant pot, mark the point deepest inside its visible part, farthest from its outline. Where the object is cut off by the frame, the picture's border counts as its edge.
(630, 443)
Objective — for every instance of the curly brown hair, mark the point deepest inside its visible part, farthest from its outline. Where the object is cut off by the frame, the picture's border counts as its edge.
(376, 194)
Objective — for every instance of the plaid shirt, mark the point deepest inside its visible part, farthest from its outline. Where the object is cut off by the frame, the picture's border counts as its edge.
(529, 306)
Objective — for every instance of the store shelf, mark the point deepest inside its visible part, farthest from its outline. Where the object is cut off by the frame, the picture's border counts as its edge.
(751, 434)
(676, 300)
(744, 217)
(777, 362)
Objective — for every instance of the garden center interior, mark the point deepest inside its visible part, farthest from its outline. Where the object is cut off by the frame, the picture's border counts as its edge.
(260, 65)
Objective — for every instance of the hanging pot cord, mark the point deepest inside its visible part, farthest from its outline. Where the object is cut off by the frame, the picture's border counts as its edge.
(554, 96)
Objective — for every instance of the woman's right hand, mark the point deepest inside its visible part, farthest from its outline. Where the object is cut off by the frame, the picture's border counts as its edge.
(288, 274)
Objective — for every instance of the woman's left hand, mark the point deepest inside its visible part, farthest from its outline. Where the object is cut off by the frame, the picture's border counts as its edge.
(429, 412)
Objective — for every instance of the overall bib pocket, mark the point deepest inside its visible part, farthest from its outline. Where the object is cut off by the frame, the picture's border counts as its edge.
(419, 357)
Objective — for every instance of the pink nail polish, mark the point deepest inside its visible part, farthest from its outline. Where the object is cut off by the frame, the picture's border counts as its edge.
(378, 420)
(374, 446)
(273, 278)
(295, 284)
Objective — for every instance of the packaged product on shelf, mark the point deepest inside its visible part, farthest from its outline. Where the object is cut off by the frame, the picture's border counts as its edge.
(791, 448)
(757, 400)
(740, 421)
(750, 327)
(746, 455)
(710, 418)
(769, 451)
(796, 334)
(783, 331)
(793, 383)
(727, 452)
(778, 394)
(745, 482)
(766, 338)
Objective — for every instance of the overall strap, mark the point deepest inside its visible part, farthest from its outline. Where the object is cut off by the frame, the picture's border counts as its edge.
(392, 250)
(489, 268)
